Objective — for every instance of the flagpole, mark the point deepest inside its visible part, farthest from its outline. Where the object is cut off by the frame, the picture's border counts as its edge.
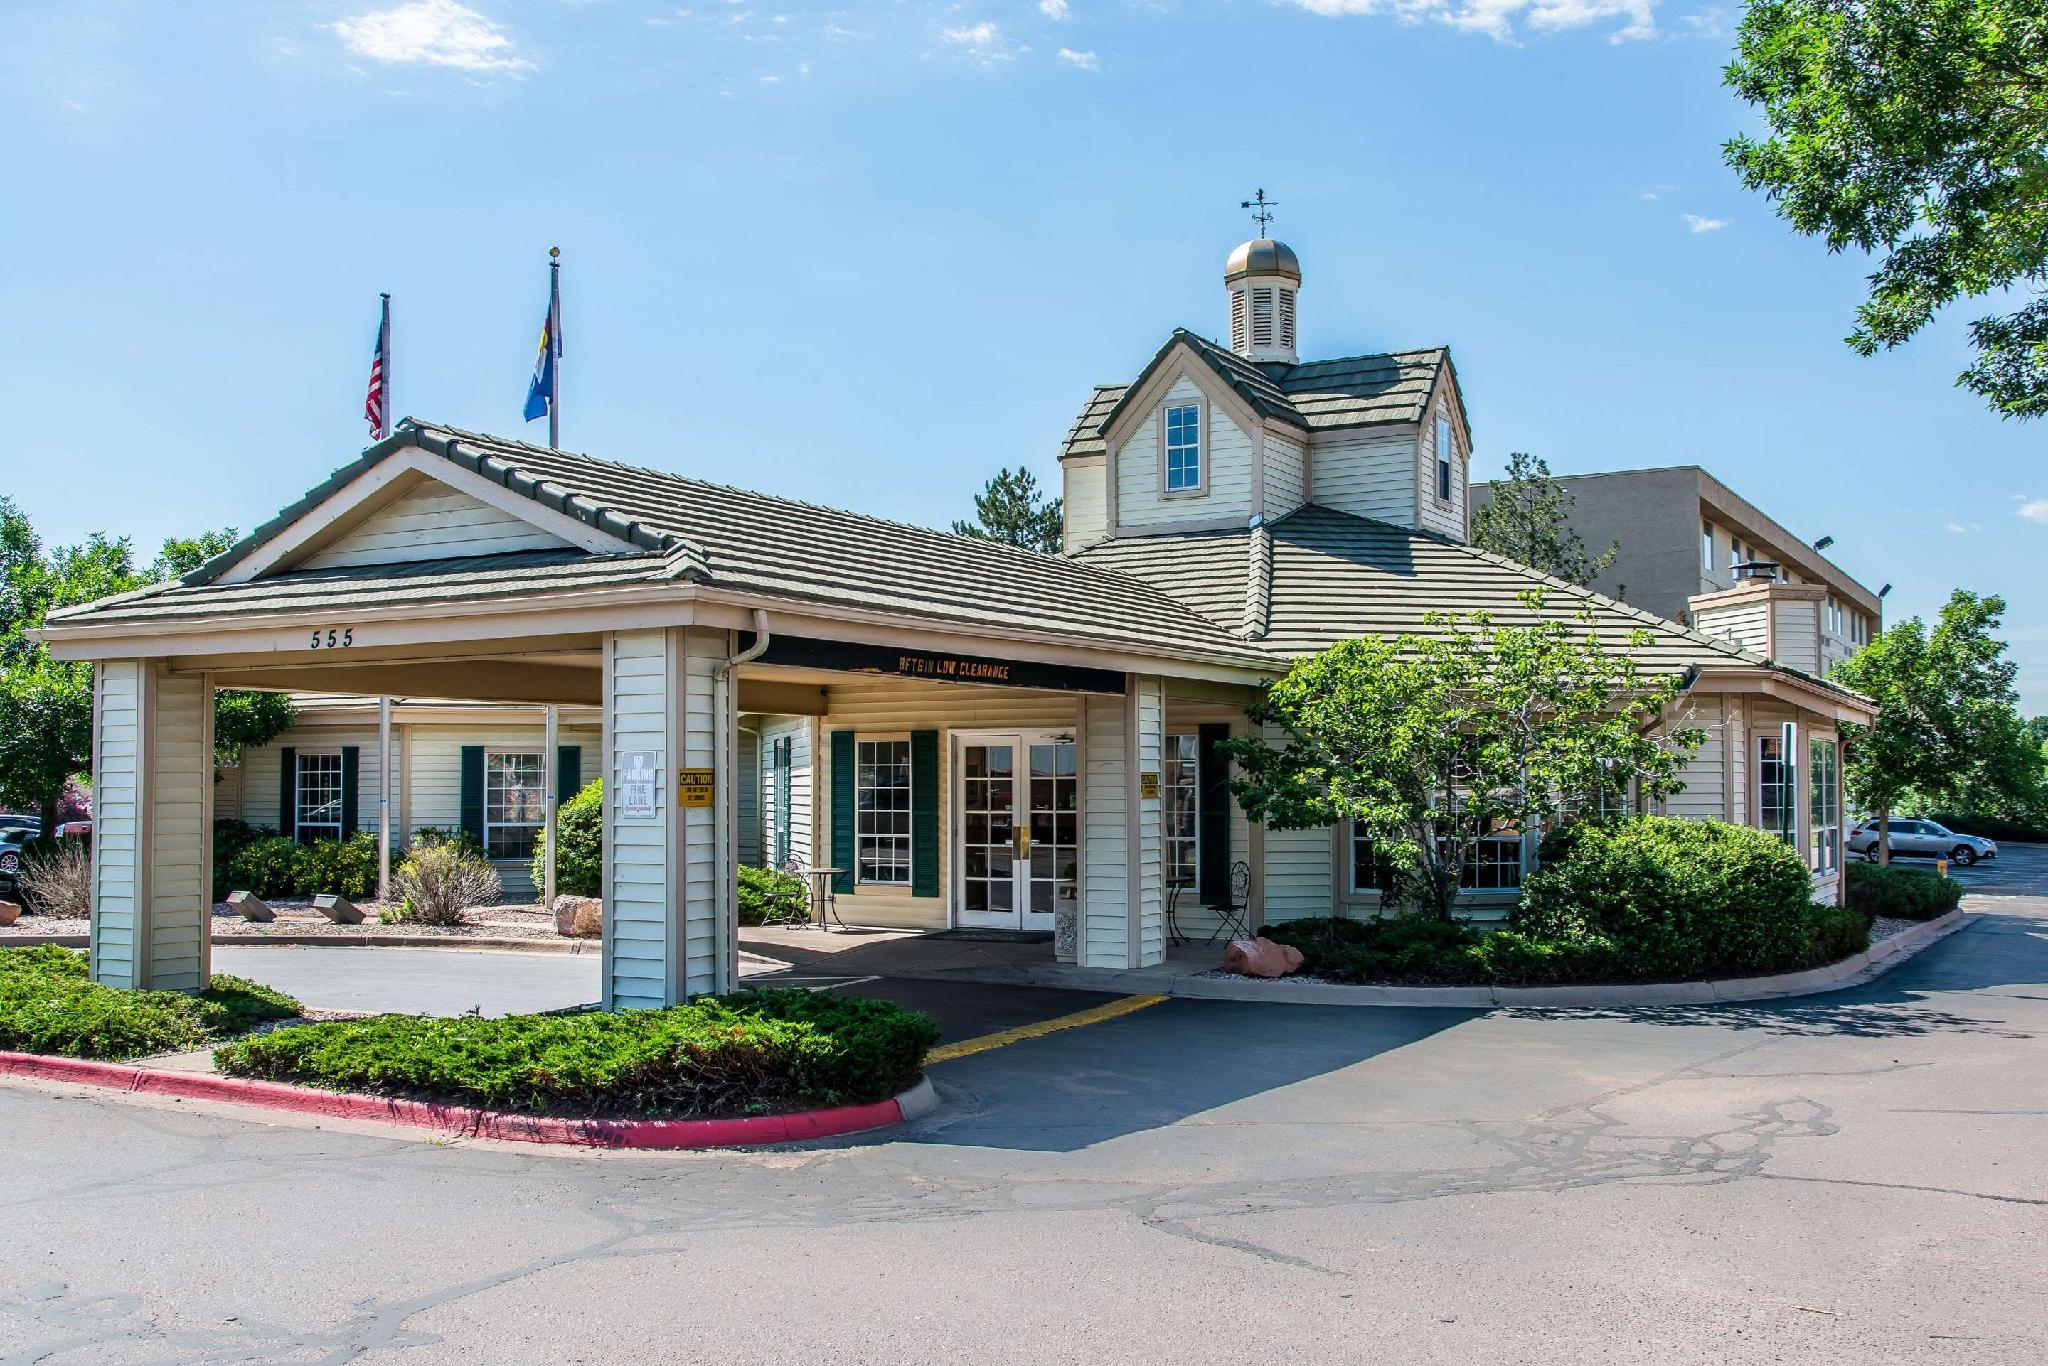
(384, 423)
(555, 345)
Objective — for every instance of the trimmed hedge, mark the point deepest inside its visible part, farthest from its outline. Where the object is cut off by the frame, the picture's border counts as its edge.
(768, 897)
(749, 1053)
(1901, 893)
(579, 845)
(249, 859)
(49, 1005)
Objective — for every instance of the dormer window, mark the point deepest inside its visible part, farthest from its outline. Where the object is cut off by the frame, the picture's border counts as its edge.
(1443, 458)
(1182, 457)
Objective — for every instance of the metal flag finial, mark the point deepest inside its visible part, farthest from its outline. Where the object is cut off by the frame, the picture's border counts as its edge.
(554, 253)
(1262, 208)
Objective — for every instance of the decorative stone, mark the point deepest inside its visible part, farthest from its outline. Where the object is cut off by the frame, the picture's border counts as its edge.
(1066, 933)
(250, 907)
(339, 909)
(1261, 957)
(9, 912)
(580, 917)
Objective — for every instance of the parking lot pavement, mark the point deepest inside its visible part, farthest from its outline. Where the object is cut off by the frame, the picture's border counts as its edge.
(2019, 870)
(419, 981)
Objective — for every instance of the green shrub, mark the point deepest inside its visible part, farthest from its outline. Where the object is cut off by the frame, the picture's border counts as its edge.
(744, 1053)
(437, 834)
(1676, 899)
(1833, 933)
(1414, 948)
(579, 845)
(1900, 893)
(1516, 959)
(48, 1005)
(264, 866)
(347, 867)
(768, 897)
(230, 838)
(439, 882)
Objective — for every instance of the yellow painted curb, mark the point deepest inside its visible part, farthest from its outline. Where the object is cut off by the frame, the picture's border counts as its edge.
(1094, 1015)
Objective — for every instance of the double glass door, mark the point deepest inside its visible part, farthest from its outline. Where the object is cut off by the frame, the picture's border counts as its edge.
(1017, 833)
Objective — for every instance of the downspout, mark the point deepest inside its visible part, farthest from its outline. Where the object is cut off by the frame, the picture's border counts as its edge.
(727, 678)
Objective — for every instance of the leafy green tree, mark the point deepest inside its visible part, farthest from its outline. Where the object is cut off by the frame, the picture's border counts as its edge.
(1915, 129)
(1431, 743)
(46, 703)
(1009, 509)
(1529, 520)
(1946, 720)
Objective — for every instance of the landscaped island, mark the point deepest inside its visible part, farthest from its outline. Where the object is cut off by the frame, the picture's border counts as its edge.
(49, 1005)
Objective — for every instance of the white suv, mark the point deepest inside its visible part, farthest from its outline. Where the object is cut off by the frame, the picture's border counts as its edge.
(1922, 839)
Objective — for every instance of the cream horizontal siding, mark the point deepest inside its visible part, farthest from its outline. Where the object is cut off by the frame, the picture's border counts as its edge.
(117, 930)
(1105, 837)
(1368, 475)
(1286, 476)
(1446, 517)
(1147, 705)
(897, 709)
(1797, 637)
(1226, 449)
(1705, 773)
(430, 523)
(180, 751)
(637, 855)
(1084, 501)
(747, 794)
(1300, 874)
(797, 730)
(1747, 625)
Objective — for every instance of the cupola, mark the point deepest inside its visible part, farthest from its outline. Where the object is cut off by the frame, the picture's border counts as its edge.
(1263, 276)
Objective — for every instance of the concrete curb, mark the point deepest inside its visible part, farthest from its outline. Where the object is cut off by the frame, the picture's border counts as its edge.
(472, 1122)
(1879, 958)
(341, 941)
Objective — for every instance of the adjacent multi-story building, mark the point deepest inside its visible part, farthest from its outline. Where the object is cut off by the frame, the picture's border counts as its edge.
(1687, 541)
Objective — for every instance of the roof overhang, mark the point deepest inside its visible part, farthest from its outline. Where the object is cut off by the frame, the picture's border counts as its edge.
(1791, 687)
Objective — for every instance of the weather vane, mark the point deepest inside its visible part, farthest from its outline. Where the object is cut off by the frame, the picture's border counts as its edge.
(1263, 210)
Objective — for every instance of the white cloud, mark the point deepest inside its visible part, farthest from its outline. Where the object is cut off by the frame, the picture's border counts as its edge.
(984, 41)
(2035, 510)
(1965, 528)
(436, 32)
(1502, 19)
(1700, 224)
(1053, 9)
(1085, 60)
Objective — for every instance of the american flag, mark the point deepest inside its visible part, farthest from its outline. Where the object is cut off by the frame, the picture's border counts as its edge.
(375, 403)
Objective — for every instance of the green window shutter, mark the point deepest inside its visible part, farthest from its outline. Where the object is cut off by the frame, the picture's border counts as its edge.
(924, 813)
(473, 791)
(785, 749)
(351, 779)
(568, 771)
(842, 809)
(1212, 828)
(288, 793)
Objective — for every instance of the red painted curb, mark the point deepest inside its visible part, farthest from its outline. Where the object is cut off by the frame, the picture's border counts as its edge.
(463, 1119)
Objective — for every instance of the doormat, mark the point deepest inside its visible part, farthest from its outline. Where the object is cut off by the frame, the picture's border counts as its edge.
(973, 936)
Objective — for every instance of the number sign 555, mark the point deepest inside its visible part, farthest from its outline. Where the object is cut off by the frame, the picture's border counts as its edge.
(333, 638)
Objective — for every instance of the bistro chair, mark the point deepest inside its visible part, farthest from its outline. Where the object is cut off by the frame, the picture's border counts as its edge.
(818, 895)
(1235, 914)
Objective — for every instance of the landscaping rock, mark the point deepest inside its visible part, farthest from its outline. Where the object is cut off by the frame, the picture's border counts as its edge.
(250, 907)
(580, 917)
(1261, 957)
(339, 909)
(9, 912)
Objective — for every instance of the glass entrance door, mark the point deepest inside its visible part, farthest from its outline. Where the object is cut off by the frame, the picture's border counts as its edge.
(1018, 840)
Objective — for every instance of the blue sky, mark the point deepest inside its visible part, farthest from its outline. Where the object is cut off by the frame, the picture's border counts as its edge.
(865, 254)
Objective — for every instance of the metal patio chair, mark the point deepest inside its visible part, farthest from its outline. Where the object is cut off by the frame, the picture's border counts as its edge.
(1235, 914)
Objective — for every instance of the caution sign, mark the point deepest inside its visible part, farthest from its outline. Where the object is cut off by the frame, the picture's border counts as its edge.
(1148, 786)
(693, 787)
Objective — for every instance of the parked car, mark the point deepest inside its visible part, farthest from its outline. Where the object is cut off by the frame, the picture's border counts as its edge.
(10, 821)
(1922, 839)
(74, 830)
(11, 840)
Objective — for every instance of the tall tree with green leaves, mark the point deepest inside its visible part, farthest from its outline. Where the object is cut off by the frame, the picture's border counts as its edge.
(1431, 743)
(1946, 722)
(1009, 509)
(46, 703)
(1528, 520)
(1916, 130)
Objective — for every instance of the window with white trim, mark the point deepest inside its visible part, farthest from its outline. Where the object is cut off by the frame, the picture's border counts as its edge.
(881, 797)
(1443, 458)
(1182, 809)
(1183, 447)
(1824, 782)
(1492, 864)
(1777, 788)
(514, 801)
(317, 803)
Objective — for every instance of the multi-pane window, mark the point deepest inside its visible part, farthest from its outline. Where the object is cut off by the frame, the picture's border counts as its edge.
(1443, 458)
(514, 797)
(1182, 809)
(1777, 788)
(1823, 781)
(1184, 448)
(1837, 624)
(318, 809)
(1492, 864)
(881, 793)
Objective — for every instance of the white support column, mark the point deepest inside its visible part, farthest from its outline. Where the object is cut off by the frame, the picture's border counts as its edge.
(668, 899)
(550, 784)
(153, 827)
(1123, 901)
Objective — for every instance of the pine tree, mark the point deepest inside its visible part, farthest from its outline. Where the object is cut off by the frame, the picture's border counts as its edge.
(1009, 510)
(1529, 521)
